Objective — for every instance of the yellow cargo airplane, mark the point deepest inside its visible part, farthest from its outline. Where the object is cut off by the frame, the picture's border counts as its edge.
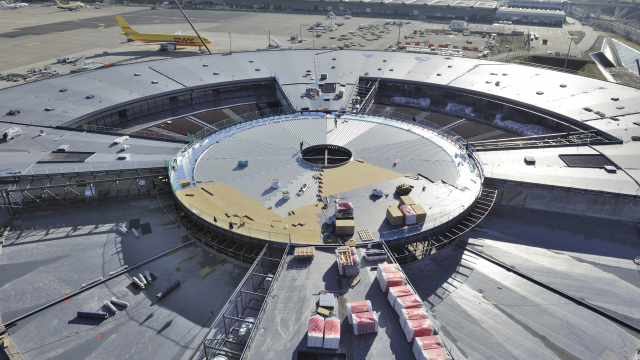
(70, 7)
(166, 41)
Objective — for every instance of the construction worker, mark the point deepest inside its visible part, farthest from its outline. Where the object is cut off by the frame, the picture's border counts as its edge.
(301, 143)
(335, 122)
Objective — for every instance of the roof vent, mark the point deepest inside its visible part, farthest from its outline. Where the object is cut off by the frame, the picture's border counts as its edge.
(529, 160)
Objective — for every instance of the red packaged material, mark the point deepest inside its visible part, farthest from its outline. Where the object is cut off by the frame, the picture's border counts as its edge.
(396, 292)
(408, 214)
(425, 343)
(316, 325)
(407, 302)
(365, 323)
(435, 354)
(429, 342)
(418, 328)
(315, 333)
(391, 279)
(411, 314)
(344, 207)
(331, 333)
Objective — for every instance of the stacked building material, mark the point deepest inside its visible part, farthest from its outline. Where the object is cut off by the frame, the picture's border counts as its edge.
(391, 279)
(375, 255)
(386, 267)
(365, 323)
(407, 302)
(308, 252)
(331, 333)
(315, 333)
(408, 214)
(418, 328)
(453, 107)
(423, 102)
(358, 307)
(426, 343)
(412, 314)
(524, 129)
(435, 354)
(398, 291)
(348, 262)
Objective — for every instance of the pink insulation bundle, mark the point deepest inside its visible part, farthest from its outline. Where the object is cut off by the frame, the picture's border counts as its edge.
(365, 323)
(434, 354)
(398, 291)
(391, 279)
(425, 343)
(412, 314)
(316, 331)
(408, 214)
(418, 328)
(407, 302)
(358, 307)
(383, 268)
(331, 333)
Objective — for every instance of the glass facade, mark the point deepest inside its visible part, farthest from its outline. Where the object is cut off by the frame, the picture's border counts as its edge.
(176, 105)
(484, 109)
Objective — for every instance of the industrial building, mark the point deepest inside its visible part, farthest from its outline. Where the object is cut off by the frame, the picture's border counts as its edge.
(263, 193)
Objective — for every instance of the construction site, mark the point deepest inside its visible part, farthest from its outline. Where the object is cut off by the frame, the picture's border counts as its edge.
(288, 196)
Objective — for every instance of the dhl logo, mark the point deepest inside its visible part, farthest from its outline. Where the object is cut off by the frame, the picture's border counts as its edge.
(184, 40)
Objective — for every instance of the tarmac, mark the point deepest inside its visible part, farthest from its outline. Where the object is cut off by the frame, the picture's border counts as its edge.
(33, 37)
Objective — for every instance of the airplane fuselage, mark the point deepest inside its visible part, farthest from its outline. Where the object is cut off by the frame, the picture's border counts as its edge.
(179, 40)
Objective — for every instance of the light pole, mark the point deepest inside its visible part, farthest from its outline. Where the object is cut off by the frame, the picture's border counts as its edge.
(229, 43)
(568, 52)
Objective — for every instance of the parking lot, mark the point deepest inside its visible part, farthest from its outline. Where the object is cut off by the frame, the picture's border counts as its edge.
(35, 36)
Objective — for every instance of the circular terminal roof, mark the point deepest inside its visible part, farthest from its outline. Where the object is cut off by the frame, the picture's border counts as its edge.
(258, 174)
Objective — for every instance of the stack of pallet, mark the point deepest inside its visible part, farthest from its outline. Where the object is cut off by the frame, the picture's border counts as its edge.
(305, 253)
(348, 262)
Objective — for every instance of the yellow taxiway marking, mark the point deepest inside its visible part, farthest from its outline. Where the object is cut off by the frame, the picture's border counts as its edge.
(33, 44)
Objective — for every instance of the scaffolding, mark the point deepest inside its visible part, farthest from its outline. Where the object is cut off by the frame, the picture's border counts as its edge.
(34, 192)
(233, 329)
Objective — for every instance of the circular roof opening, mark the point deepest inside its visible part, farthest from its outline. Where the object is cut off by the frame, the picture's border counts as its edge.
(326, 155)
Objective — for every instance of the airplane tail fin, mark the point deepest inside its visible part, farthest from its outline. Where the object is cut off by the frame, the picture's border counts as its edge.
(126, 29)
(4, 4)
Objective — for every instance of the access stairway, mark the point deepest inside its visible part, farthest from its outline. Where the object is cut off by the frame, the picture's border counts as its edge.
(415, 250)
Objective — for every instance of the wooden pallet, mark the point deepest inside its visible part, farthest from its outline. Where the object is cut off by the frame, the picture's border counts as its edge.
(344, 253)
(308, 252)
(365, 235)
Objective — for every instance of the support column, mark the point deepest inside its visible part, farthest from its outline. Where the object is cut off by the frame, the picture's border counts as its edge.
(616, 14)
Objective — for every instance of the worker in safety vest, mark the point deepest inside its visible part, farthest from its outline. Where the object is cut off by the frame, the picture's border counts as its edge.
(335, 122)
(301, 143)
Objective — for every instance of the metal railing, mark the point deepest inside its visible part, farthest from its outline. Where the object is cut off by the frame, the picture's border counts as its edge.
(447, 134)
(225, 225)
(79, 170)
(221, 125)
(224, 337)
